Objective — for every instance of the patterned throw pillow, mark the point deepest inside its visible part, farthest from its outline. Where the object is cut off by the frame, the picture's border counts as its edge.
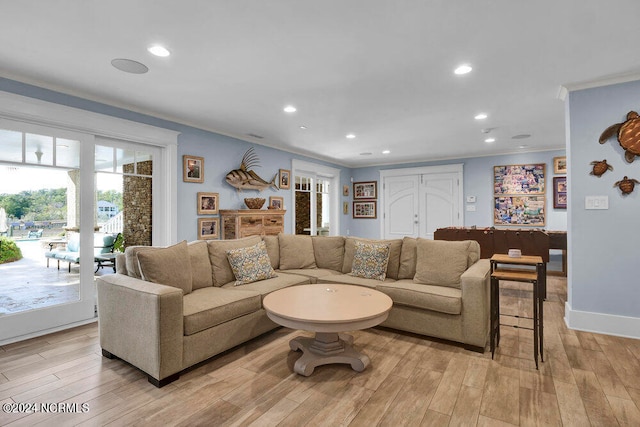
(250, 264)
(370, 260)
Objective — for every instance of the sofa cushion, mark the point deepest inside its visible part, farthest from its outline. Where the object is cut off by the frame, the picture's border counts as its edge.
(221, 269)
(328, 251)
(250, 264)
(296, 251)
(370, 260)
(394, 254)
(208, 307)
(440, 262)
(428, 297)
(264, 287)
(313, 273)
(200, 264)
(407, 258)
(273, 250)
(167, 266)
(347, 279)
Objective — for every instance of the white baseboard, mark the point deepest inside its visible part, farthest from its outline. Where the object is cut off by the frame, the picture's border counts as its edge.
(48, 331)
(609, 324)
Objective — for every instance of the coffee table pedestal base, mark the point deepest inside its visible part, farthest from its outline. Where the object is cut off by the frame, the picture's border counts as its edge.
(325, 348)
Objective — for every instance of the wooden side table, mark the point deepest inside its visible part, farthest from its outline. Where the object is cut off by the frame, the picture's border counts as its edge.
(536, 278)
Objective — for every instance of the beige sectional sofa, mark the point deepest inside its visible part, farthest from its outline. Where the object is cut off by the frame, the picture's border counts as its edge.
(167, 309)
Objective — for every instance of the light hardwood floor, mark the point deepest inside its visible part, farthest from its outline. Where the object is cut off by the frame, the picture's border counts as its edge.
(586, 379)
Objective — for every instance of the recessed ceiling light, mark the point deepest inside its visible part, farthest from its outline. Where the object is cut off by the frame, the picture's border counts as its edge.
(480, 116)
(158, 50)
(350, 136)
(463, 69)
(290, 109)
(386, 152)
(129, 66)
(521, 136)
(303, 127)
(365, 154)
(523, 146)
(490, 140)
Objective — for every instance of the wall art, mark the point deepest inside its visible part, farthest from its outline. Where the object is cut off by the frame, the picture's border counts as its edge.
(519, 179)
(208, 228)
(208, 203)
(560, 192)
(519, 210)
(364, 209)
(365, 190)
(192, 168)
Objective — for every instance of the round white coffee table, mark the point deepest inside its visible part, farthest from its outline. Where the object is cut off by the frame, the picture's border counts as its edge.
(327, 310)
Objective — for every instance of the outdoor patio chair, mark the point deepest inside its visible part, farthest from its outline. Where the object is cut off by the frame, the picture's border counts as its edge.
(35, 234)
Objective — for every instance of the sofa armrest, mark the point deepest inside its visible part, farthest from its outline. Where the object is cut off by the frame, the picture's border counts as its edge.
(476, 302)
(142, 323)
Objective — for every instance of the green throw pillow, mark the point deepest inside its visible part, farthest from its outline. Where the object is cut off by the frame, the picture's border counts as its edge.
(250, 264)
(370, 260)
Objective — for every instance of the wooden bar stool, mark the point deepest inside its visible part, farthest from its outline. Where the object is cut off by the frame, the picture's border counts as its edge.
(518, 275)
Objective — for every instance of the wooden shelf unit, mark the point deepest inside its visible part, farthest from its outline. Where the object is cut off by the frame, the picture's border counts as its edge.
(240, 223)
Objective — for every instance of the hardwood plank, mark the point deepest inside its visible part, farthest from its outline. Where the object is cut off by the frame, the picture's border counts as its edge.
(571, 405)
(625, 411)
(476, 373)
(434, 419)
(467, 407)
(492, 422)
(607, 377)
(588, 341)
(373, 410)
(343, 407)
(501, 396)
(444, 399)
(411, 403)
(536, 381)
(599, 411)
(538, 408)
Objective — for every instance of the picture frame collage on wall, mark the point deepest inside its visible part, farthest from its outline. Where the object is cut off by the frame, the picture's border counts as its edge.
(207, 203)
(560, 183)
(519, 195)
(364, 203)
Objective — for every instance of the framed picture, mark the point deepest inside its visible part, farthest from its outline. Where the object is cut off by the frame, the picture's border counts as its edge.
(208, 228)
(345, 190)
(192, 169)
(519, 210)
(276, 202)
(560, 164)
(519, 179)
(364, 209)
(365, 190)
(285, 179)
(207, 203)
(560, 192)
(345, 208)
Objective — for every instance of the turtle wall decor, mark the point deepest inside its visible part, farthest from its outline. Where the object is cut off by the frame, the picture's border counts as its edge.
(626, 185)
(628, 135)
(600, 167)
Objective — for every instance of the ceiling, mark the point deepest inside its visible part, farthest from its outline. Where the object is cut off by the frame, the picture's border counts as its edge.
(380, 69)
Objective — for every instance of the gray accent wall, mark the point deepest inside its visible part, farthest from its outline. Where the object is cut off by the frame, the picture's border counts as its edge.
(604, 245)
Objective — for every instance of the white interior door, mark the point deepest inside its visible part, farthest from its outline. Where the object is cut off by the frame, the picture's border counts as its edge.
(402, 210)
(440, 202)
(417, 201)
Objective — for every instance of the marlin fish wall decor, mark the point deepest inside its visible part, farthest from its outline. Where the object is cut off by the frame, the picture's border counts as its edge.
(245, 178)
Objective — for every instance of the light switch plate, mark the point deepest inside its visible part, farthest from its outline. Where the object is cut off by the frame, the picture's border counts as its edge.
(596, 202)
(471, 208)
(471, 199)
